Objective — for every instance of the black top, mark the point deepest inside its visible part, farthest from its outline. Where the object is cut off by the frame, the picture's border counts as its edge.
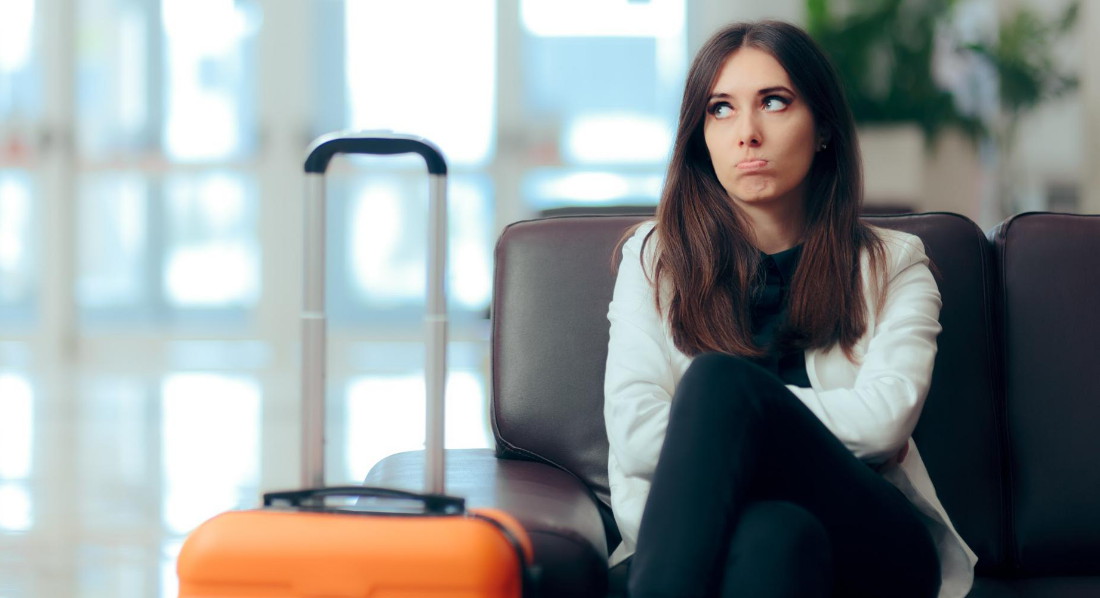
(769, 313)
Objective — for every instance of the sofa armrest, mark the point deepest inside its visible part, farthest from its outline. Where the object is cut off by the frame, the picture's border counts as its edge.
(557, 510)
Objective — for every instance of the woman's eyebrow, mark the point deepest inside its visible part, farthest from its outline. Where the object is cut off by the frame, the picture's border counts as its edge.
(775, 88)
(763, 92)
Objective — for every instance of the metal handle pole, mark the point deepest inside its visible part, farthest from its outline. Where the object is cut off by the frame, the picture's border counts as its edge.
(313, 311)
(313, 336)
(435, 321)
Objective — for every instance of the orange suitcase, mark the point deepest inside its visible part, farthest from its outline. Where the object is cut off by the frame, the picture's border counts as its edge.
(316, 552)
(392, 544)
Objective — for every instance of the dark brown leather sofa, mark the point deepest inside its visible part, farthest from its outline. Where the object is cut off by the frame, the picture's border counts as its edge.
(1010, 432)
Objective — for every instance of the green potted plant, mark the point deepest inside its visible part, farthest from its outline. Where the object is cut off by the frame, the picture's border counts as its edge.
(883, 50)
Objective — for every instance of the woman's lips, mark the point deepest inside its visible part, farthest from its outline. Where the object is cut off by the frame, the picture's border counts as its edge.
(750, 165)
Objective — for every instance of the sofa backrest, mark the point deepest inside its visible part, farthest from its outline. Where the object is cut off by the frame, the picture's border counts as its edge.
(1050, 285)
(958, 435)
(551, 288)
(553, 282)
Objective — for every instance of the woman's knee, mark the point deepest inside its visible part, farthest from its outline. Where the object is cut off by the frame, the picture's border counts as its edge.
(718, 365)
(779, 549)
(784, 529)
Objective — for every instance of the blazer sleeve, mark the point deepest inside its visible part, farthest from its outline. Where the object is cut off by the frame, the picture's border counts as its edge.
(876, 417)
(639, 380)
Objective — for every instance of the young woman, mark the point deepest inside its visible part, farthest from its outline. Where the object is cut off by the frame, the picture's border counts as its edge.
(770, 354)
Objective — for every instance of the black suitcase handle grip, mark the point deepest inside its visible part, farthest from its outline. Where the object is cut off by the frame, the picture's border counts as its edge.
(434, 504)
(327, 146)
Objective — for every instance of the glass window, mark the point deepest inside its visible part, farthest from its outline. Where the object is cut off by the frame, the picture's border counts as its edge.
(180, 247)
(434, 77)
(16, 511)
(162, 82)
(20, 99)
(17, 267)
(173, 77)
(16, 443)
(606, 89)
(386, 416)
(603, 18)
(385, 237)
(611, 80)
(430, 77)
(209, 63)
(112, 242)
(378, 236)
(548, 188)
(211, 430)
(117, 71)
(212, 258)
(15, 427)
(20, 112)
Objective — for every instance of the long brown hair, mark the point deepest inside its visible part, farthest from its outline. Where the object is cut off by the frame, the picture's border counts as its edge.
(705, 255)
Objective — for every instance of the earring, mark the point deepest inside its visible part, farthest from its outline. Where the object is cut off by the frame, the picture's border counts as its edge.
(822, 146)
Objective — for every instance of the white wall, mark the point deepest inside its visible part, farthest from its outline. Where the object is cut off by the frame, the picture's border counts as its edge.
(707, 16)
(1090, 98)
(1051, 142)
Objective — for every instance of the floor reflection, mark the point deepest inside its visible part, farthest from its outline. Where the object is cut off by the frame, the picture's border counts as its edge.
(210, 426)
(16, 437)
(98, 493)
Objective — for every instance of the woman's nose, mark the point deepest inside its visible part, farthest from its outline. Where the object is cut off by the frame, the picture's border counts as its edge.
(748, 133)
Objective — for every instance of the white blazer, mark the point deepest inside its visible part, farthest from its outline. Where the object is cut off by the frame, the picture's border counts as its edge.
(871, 403)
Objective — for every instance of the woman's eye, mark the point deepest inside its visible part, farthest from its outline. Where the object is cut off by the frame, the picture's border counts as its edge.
(775, 103)
(721, 110)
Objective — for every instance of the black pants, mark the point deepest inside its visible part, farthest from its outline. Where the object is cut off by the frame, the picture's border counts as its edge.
(753, 496)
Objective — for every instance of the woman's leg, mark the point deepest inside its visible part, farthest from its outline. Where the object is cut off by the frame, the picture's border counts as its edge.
(737, 435)
(778, 550)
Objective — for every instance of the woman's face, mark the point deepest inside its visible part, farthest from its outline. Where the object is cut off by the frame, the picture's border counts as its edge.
(760, 134)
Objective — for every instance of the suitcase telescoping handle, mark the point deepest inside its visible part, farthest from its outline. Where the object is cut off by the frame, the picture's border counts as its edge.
(434, 504)
(313, 303)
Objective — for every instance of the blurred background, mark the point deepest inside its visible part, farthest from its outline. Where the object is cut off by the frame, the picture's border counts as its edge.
(151, 201)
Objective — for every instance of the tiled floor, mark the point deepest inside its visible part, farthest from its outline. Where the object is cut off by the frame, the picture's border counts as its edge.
(102, 474)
